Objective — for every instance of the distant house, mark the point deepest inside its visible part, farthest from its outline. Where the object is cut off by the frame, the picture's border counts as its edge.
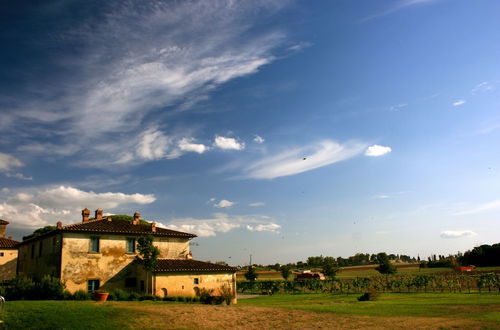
(100, 253)
(8, 253)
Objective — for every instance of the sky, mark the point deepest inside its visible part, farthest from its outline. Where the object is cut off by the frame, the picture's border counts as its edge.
(277, 129)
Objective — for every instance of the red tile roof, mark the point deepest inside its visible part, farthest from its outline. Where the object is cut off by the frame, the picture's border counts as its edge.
(189, 265)
(6, 243)
(3, 222)
(122, 227)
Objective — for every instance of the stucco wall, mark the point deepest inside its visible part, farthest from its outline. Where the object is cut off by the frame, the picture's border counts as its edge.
(182, 284)
(37, 265)
(8, 264)
(112, 265)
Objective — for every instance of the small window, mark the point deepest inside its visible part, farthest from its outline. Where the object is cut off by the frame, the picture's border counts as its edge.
(1, 254)
(130, 282)
(93, 285)
(94, 244)
(33, 251)
(196, 281)
(130, 245)
(40, 248)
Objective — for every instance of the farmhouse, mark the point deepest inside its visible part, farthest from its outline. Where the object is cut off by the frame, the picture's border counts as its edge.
(8, 253)
(100, 254)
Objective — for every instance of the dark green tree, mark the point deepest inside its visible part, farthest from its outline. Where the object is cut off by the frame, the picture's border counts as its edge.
(251, 274)
(330, 267)
(148, 255)
(384, 265)
(285, 272)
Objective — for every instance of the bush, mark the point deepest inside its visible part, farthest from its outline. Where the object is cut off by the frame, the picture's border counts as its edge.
(371, 295)
(82, 295)
(206, 296)
(67, 295)
(134, 296)
(148, 297)
(226, 293)
(50, 288)
(118, 294)
(169, 298)
(20, 288)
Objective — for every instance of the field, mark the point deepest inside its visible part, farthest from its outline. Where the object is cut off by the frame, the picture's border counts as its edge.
(364, 271)
(431, 311)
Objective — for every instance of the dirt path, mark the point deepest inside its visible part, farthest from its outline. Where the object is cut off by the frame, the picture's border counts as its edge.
(248, 317)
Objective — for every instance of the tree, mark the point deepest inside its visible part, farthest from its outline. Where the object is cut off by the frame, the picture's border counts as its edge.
(285, 272)
(148, 255)
(330, 267)
(251, 274)
(384, 265)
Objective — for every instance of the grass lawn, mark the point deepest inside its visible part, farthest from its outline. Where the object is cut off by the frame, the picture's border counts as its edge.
(284, 311)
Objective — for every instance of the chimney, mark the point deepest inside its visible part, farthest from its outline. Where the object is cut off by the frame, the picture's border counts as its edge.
(153, 227)
(59, 225)
(137, 218)
(190, 255)
(3, 228)
(98, 214)
(109, 219)
(85, 215)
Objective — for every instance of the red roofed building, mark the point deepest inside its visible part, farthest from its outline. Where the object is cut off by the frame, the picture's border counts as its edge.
(8, 253)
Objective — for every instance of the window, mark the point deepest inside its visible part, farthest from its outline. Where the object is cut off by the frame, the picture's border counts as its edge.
(196, 281)
(130, 245)
(1, 254)
(130, 282)
(40, 248)
(93, 285)
(94, 244)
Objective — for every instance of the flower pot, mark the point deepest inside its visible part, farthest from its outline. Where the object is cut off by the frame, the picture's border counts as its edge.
(101, 296)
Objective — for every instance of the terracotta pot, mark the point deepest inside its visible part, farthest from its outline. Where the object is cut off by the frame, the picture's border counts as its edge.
(101, 296)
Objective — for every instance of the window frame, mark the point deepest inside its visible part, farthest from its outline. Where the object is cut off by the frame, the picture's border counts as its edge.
(91, 247)
(93, 281)
(196, 280)
(129, 240)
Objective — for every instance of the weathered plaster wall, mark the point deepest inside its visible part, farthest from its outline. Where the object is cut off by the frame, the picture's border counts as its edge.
(37, 264)
(182, 284)
(112, 265)
(8, 264)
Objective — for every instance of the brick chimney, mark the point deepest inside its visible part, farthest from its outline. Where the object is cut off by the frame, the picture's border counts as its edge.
(189, 255)
(85, 215)
(3, 228)
(153, 227)
(137, 218)
(59, 225)
(98, 214)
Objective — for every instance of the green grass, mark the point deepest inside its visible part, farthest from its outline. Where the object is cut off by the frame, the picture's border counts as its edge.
(482, 307)
(63, 315)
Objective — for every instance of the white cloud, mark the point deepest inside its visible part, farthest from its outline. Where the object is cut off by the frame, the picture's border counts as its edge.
(39, 207)
(377, 150)
(396, 6)
(137, 60)
(19, 176)
(7, 162)
(302, 159)
(457, 233)
(482, 87)
(222, 223)
(227, 143)
(223, 204)
(458, 103)
(259, 139)
(187, 144)
(382, 196)
(490, 206)
(257, 204)
(399, 106)
(272, 227)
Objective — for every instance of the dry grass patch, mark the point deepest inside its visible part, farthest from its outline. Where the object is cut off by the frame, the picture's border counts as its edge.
(177, 316)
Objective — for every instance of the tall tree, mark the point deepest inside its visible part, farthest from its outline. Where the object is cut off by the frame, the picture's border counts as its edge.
(148, 256)
(285, 271)
(384, 265)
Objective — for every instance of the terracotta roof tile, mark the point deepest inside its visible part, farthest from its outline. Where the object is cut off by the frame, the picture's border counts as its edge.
(122, 227)
(7, 243)
(189, 265)
(3, 222)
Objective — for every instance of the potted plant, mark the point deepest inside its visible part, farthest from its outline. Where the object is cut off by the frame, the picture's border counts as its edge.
(101, 295)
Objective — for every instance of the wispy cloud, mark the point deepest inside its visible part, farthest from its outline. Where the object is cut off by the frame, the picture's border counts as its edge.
(458, 103)
(397, 6)
(482, 87)
(457, 233)
(302, 159)
(377, 150)
(39, 207)
(223, 223)
(137, 60)
(257, 204)
(223, 203)
(8, 162)
(490, 206)
(259, 139)
(398, 107)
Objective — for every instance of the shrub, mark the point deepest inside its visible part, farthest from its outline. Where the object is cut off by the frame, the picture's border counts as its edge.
(67, 295)
(371, 295)
(226, 293)
(134, 296)
(82, 295)
(118, 294)
(179, 299)
(169, 298)
(148, 297)
(206, 296)
(50, 288)
(20, 288)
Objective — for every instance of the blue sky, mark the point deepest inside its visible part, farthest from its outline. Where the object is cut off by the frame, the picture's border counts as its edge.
(280, 129)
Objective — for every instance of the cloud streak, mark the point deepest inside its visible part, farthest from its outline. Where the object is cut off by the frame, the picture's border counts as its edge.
(399, 5)
(303, 159)
(457, 234)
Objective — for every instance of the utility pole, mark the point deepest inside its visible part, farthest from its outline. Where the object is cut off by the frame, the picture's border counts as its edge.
(250, 265)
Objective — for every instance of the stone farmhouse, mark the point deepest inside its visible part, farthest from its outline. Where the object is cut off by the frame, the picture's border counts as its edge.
(8, 253)
(99, 254)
